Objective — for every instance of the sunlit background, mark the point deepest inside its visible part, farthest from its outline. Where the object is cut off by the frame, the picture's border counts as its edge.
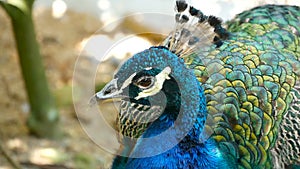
(65, 30)
(108, 11)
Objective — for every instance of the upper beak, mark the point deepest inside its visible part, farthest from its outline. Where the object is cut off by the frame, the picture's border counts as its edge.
(109, 91)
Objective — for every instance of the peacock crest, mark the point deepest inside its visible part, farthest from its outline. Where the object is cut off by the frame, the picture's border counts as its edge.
(194, 32)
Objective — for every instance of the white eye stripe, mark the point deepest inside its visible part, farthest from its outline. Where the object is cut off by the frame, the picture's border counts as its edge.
(148, 68)
(128, 81)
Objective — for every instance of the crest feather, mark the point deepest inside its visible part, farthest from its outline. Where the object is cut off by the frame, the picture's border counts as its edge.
(194, 32)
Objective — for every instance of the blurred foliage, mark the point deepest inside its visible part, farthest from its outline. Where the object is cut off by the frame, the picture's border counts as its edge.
(84, 161)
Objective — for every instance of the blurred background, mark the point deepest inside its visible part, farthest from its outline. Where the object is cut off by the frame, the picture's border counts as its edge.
(65, 30)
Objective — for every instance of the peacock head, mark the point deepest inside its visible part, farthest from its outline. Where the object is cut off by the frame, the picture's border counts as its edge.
(153, 84)
(143, 79)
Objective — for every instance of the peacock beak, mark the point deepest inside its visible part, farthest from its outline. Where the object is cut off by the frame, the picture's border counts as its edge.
(109, 91)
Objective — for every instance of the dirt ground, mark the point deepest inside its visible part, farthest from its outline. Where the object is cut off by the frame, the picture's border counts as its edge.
(59, 40)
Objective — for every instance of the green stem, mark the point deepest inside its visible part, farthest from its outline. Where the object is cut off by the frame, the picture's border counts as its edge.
(44, 118)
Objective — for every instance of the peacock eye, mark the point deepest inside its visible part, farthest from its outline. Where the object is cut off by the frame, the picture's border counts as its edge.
(145, 82)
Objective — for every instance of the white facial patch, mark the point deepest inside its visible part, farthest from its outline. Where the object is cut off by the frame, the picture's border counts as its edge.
(159, 81)
(128, 81)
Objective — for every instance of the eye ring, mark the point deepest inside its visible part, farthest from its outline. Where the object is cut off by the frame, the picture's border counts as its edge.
(145, 82)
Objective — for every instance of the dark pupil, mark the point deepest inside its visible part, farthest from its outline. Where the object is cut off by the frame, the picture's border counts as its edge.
(145, 82)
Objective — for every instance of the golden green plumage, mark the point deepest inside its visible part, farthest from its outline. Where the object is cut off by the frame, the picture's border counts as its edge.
(248, 82)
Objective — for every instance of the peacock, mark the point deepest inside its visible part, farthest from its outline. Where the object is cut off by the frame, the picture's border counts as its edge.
(210, 97)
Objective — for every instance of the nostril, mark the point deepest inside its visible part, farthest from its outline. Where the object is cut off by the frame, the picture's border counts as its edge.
(107, 91)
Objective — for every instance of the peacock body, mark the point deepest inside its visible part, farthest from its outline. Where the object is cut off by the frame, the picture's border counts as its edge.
(213, 98)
